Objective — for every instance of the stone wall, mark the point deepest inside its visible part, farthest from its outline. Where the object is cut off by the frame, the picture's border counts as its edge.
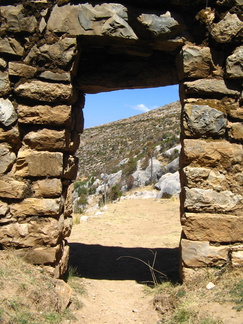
(53, 52)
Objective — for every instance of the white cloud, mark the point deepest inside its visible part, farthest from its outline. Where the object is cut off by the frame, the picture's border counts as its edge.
(141, 107)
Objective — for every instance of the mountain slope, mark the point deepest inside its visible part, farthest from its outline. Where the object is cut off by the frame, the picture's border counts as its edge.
(103, 147)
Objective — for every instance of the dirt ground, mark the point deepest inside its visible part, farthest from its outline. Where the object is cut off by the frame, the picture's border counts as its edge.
(102, 247)
(112, 251)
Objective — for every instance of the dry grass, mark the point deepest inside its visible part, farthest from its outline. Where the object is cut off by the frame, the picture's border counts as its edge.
(28, 296)
(193, 303)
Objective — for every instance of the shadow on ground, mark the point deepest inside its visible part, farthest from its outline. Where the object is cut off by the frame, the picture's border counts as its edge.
(115, 263)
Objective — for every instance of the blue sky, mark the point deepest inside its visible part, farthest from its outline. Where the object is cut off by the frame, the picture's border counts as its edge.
(107, 107)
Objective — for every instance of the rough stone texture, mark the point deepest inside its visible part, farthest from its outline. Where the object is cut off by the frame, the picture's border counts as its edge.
(234, 64)
(12, 188)
(195, 62)
(237, 258)
(36, 206)
(48, 140)
(221, 154)
(38, 164)
(44, 91)
(11, 46)
(59, 54)
(47, 188)
(208, 200)
(45, 115)
(213, 227)
(34, 232)
(8, 114)
(16, 21)
(209, 87)
(227, 28)
(21, 70)
(50, 51)
(4, 83)
(7, 157)
(202, 254)
(202, 120)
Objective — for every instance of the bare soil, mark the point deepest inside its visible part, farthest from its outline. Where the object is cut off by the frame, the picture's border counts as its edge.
(111, 252)
(102, 247)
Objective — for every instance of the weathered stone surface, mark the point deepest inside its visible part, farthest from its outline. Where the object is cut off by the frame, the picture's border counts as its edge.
(11, 46)
(202, 120)
(165, 25)
(54, 76)
(236, 131)
(105, 19)
(4, 83)
(41, 255)
(3, 63)
(198, 200)
(4, 208)
(227, 28)
(213, 227)
(39, 164)
(21, 70)
(47, 188)
(7, 157)
(205, 178)
(36, 207)
(35, 232)
(14, 20)
(68, 206)
(237, 258)
(45, 91)
(210, 87)
(195, 62)
(62, 266)
(48, 140)
(70, 167)
(64, 292)
(8, 115)
(68, 224)
(12, 188)
(234, 64)
(202, 254)
(59, 54)
(220, 154)
(45, 115)
(11, 136)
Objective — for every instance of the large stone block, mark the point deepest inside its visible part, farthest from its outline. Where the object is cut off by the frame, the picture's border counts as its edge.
(213, 227)
(57, 77)
(235, 131)
(234, 64)
(219, 154)
(45, 115)
(208, 200)
(36, 207)
(45, 91)
(195, 62)
(21, 70)
(11, 46)
(106, 19)
(7, 157)
(47, 188)
(8, 115)
(12, 188)
(60, 54)
(48, 140)
(227, 28)
(237, 258)
(34, 232)
(202, 254)
(39, 164)
(202, 120)
(4, 83)
(211, 87)
(15, 20)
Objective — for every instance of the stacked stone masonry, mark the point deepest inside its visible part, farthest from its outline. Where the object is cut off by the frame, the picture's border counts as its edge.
(53, 52)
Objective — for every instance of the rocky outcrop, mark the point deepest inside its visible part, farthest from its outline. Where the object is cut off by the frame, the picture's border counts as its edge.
(51, 53)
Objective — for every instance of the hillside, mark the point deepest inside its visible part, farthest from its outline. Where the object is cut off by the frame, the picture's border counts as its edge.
(103, 147)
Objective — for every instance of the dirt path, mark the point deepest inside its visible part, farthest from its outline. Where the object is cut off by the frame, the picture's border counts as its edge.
(102, 247)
